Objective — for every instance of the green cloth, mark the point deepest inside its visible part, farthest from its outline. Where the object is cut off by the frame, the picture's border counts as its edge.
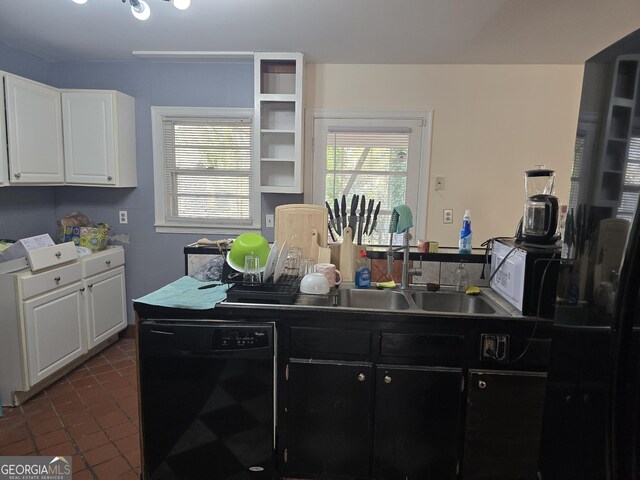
(405, 219)
(184, 293)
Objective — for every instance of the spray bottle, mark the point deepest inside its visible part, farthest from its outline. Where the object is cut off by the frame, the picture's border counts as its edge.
(464, 245)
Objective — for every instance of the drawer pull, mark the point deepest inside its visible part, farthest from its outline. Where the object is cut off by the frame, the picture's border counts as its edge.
(82, 289)
(108, 262)
(387, 379)
(58, 254)
(57, 279)
(90, 286)
(17, 175)
(361, 377)
(482, 384)
(109, 178)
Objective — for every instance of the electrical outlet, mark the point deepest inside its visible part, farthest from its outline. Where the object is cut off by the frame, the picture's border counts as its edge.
(123, 216)
(268, 220)
(447, 215)
(439, 183)
(494, 347)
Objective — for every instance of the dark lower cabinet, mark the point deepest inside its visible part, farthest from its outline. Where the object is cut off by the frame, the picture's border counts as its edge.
(328, 419)
(416, 422)
(503, 424)
(342, 422)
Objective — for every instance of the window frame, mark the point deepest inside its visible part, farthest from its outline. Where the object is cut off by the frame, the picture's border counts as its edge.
(162, 224)
(314, 181)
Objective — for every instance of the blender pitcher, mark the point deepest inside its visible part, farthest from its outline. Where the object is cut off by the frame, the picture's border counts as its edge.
(540, 217)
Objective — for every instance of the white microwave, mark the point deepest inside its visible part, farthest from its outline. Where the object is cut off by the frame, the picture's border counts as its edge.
(526, 277)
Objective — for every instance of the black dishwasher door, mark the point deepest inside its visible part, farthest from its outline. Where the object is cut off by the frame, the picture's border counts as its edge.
(207, 407)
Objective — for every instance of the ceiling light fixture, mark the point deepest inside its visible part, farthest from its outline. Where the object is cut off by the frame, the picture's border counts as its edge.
(140, 9)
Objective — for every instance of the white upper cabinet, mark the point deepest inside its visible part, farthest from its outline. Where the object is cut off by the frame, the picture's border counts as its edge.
(278, 119)
(34, 132)
(4, 174)
(99, 138)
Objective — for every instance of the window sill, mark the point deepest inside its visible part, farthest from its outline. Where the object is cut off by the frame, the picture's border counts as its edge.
(221, 230)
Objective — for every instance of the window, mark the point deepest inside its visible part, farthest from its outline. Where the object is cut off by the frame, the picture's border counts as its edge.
(383, 159)
(204, 170)
(631, 187)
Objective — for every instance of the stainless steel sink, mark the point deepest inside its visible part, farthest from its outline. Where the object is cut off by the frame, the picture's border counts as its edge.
(372, 299)
(451, 302)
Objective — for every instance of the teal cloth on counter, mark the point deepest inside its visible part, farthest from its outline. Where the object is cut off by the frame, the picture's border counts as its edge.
(405, 219)
(184, 293)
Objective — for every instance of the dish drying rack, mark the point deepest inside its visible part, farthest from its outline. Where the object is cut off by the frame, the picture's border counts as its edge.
(284, 291)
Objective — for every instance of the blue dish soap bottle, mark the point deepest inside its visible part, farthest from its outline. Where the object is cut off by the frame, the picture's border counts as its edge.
(464, 245)
(363, 271)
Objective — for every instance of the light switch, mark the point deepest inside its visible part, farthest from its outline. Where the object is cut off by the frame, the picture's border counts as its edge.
(439, 183)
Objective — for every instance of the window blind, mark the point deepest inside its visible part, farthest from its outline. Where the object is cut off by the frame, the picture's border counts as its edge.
(631, 188)
(373, 162)
(208, 172)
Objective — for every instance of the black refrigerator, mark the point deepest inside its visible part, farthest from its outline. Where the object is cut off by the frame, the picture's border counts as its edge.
(591, 421)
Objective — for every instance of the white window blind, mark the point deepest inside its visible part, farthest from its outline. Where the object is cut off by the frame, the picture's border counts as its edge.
(371, 163)
(380, 158)
(631, 188)
(206, 176)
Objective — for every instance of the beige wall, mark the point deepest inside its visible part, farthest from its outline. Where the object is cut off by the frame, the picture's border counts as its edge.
(490, 123)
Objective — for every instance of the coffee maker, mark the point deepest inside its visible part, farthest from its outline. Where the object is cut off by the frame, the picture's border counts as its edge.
(540, 218)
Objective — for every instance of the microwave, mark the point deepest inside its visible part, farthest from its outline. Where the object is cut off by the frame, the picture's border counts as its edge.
(526, 276)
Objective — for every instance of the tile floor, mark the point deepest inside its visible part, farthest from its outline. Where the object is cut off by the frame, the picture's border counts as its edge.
(91, 413)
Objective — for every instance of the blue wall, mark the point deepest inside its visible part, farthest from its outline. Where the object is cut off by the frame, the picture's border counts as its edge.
(152, 259)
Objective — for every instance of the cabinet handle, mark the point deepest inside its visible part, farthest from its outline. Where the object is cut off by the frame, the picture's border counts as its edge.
(90, 286)
(361, 377)
(17, 175)
(567, 399)
(108, 262)
(482, 384)
(82, 289)
(387, 379)
(109, 178)
(56, 279)
(58, 254)
(586, 398)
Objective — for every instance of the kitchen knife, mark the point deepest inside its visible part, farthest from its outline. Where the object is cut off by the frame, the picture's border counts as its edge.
(353, 219)
(361, 220)
(368, 221)
(343, 211)
(332, 223)
(375, 218)
(338, 222)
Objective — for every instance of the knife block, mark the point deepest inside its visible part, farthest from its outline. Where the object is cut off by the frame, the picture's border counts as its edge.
(347, 270)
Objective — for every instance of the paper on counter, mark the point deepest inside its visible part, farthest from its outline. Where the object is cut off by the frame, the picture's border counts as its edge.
(24, 245)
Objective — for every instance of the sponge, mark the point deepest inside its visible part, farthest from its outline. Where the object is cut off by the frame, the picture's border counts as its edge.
(389, 284)
(473, 291)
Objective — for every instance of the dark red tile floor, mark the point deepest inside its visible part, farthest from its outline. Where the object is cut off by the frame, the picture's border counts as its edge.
(91, 413)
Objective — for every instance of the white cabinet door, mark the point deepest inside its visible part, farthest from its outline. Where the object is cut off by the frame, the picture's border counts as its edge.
(99, 138)
(34, 131)
(106, 306)
(55, 331)
(89, 152)
(4, 175)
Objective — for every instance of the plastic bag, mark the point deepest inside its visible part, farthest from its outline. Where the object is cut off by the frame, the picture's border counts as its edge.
(209, 271)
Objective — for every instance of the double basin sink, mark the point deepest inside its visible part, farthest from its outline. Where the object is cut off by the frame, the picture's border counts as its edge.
(412, 300)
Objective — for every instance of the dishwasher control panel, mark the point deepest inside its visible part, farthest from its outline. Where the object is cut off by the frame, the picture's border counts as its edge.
(240, 338)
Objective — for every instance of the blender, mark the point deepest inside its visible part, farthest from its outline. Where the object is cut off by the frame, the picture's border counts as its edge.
(540, 218)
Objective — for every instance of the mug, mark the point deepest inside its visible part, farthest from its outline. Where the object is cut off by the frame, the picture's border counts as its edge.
(329, 270)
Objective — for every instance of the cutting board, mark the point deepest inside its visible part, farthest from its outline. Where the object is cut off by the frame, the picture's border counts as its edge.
(295, 223)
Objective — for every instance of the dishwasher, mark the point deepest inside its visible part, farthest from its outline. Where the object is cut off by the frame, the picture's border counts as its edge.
(207, 400)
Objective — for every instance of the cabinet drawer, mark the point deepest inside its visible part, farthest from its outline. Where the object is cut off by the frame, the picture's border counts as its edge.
(102, 261)
(330, 340)
(42, 282)
(437, 347)
(46, 257)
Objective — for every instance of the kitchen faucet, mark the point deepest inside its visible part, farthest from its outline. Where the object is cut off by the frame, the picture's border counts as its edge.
(401, 221)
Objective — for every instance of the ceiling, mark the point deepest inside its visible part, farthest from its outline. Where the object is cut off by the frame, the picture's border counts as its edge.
(327, 31)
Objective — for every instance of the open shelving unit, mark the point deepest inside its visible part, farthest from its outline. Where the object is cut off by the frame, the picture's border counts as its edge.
(624, 93)
(278, 112)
